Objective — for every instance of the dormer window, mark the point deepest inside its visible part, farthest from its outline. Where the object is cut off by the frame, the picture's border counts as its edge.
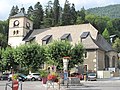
(84, 35)
(46, 39)
(66, 37)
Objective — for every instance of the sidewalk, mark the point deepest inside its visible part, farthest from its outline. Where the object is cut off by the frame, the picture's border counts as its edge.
(53, 86)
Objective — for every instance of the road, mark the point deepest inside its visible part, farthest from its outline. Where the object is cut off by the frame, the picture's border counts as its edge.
(98, 85)
(86, 85)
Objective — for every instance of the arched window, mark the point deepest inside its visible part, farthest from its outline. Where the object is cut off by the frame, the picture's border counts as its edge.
(113, 61)
(17, 32)
(107, 63)
(13, 32)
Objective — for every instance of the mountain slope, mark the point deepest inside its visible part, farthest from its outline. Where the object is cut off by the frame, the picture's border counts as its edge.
(112, 11)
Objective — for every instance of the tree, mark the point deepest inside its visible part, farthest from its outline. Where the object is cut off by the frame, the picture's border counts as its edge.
(37, 16)
(3, 41)
(49, 15)
(30, 55)
(57, 50)
(30, 12)
(116, 45)
(106, 35)
(66, 16)
(8, 60)
(56, 10)
(73, 14)
(81, 14)
(116, 25)
(14, 10)
(77, 56)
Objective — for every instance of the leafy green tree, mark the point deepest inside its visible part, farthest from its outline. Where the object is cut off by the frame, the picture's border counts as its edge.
(79, 20)
(30, 55)
(57, 50)
(56, 10)
(116, 26)
(3, 33)
(116, 45)
(81, 14)
(110, 27)
(77, 56)
(37, 16)
(8, 60)
(1, 59)
(14, 10)
(106, 35)
(3, 41)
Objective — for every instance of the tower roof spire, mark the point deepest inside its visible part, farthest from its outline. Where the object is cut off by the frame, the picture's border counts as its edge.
(20, 14)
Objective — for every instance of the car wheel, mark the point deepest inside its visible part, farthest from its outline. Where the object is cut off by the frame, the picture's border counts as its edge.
(33, 79)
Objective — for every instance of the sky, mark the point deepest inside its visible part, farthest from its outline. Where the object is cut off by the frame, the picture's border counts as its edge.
(6, 5)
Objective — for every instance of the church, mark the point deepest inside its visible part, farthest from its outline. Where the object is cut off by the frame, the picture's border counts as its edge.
(99, 53)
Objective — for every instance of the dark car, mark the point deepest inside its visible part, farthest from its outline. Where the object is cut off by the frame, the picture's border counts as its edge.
(78, 75)
(4, 76)
(21, 77)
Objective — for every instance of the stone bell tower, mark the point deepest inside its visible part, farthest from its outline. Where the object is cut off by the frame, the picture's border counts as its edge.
(19, 26)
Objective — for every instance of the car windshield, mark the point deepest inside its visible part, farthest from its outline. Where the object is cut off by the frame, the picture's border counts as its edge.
(36, 74)
(92, 74)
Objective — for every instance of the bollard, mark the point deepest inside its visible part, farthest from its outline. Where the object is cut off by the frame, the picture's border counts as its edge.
(15, 85)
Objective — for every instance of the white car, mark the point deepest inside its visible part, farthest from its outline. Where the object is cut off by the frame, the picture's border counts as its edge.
(33, 76)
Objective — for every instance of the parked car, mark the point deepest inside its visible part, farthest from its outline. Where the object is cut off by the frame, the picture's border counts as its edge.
(77, 75)
(21, 77)
(92, 76)
(4, 76)
(34, 76)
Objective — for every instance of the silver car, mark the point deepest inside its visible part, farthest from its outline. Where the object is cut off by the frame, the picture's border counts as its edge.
(92, 76)
(33, 76)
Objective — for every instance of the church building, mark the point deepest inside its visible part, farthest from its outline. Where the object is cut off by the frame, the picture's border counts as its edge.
(99, 54)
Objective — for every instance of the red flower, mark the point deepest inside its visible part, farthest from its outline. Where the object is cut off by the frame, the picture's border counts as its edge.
(51, 77)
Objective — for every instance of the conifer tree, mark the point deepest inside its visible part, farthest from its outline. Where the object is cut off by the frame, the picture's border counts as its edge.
(56, 10)
(37, 16)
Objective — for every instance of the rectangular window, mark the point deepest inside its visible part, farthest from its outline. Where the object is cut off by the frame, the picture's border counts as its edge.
(86, 54)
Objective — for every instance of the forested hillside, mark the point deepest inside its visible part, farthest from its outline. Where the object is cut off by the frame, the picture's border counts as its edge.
(112, 11)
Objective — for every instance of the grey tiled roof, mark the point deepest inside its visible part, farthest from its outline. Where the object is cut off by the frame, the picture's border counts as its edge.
(103, 43)
(20, 14)
(89, 42)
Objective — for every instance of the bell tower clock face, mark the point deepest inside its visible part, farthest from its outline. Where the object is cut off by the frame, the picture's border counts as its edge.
(16, 23)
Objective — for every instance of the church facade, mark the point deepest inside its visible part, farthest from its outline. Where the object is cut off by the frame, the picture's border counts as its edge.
(99, 54)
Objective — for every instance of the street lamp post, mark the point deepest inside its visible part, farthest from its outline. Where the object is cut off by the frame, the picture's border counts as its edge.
(65, 63)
